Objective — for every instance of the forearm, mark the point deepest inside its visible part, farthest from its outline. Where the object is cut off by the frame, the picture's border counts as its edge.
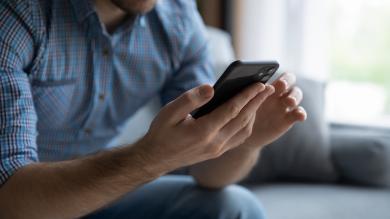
(71, 189)
(230, 168)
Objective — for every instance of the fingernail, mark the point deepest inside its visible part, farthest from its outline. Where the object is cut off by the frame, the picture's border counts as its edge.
(205, 92)
(284, 81)
(271, 89)
(261, 87)
(301, 110)
(286, 84)
(286, 75)
(294, 99)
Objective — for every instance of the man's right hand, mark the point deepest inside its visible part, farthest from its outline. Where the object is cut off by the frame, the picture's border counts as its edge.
(175, 139)
(74, 188)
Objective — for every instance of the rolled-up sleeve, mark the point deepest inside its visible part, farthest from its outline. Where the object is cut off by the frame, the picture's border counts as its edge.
(17, 114)
(196, 64)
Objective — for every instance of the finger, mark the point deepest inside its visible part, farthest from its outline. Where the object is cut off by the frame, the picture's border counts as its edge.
(298, 114)
(293, 98)
(241, 136)
(229, 110)
(238, 123)
(178, 110)
(284, 83)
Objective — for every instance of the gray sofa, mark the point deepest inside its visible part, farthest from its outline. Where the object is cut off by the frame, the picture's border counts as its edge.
(317, 170)
(314, 201)
(350, 197)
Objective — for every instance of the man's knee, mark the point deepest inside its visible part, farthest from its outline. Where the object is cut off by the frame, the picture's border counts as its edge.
(240, 202)
(231, 202)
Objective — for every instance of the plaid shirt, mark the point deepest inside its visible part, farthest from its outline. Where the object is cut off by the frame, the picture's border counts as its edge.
(67, 86)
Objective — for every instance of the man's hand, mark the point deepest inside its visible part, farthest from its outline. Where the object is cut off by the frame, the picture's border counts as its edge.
(273, 118)
(278, 113)
(177, 140)
(77, 187)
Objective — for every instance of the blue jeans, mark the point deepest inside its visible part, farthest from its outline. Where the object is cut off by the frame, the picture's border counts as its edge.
(178, 197)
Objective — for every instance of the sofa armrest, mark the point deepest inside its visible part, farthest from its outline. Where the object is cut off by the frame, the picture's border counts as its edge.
(361, 154)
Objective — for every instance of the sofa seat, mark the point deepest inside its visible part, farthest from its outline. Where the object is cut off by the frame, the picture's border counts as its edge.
(313, 201)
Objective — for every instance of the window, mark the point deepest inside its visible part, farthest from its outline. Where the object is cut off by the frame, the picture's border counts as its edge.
(346, 42)
(359, 88)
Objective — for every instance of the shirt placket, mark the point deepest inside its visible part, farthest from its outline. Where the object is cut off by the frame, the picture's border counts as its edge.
(102, 69)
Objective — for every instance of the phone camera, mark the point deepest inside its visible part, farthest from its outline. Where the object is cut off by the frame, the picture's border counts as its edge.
(271, 71)
(260, 73)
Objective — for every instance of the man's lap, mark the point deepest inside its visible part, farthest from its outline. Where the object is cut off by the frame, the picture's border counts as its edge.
(179, 197)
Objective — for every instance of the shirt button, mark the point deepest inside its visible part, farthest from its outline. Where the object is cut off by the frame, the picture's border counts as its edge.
(106, 52)
(102, 97)
(88, 131)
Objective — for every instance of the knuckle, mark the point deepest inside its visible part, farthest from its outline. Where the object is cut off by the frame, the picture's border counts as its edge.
(205, 132)
(208, 139)
(205, 136)
(214, 150)
(248, 130)
(234, 109)
(187, 97)
(245, 120)
(208, 129)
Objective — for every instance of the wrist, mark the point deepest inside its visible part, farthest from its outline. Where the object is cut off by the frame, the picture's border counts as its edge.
(147, 159)
(248, 148)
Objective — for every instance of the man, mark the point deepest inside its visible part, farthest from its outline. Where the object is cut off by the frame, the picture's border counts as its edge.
(72, 71)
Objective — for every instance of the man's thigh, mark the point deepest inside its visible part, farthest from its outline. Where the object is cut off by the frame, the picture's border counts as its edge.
(179, 197)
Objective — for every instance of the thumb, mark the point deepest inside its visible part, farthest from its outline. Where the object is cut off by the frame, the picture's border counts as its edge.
(178, 109)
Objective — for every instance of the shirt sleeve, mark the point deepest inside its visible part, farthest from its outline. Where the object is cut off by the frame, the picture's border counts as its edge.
(196, 64)
(17, 114)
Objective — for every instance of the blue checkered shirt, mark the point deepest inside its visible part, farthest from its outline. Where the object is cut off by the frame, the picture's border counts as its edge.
(67, 86)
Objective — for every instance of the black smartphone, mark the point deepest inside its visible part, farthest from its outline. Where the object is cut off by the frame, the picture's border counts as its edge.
(236, 77)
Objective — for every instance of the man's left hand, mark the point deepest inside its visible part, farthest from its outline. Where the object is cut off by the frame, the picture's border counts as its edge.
(278, 113)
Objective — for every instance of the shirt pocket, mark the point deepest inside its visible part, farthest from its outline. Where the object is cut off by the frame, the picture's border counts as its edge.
(53, 102)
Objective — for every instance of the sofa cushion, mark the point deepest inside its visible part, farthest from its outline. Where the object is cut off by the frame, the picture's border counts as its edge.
(303, 153)
(315, 201)
(362, 155)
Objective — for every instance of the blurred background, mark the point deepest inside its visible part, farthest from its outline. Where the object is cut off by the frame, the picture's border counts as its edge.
(345, 43)
(337, 163)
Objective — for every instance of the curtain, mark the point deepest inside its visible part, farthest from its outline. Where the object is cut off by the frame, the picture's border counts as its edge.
(293, 32)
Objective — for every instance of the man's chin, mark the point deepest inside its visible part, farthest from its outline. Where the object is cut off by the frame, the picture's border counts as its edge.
(135, 6)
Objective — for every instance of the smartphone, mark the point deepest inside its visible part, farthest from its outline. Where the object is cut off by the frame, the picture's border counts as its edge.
(237, 77)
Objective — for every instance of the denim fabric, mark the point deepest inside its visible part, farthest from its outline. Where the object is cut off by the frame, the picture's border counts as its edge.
(178, 197)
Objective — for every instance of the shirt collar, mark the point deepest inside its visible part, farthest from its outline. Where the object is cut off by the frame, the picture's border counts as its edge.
(82, 9)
